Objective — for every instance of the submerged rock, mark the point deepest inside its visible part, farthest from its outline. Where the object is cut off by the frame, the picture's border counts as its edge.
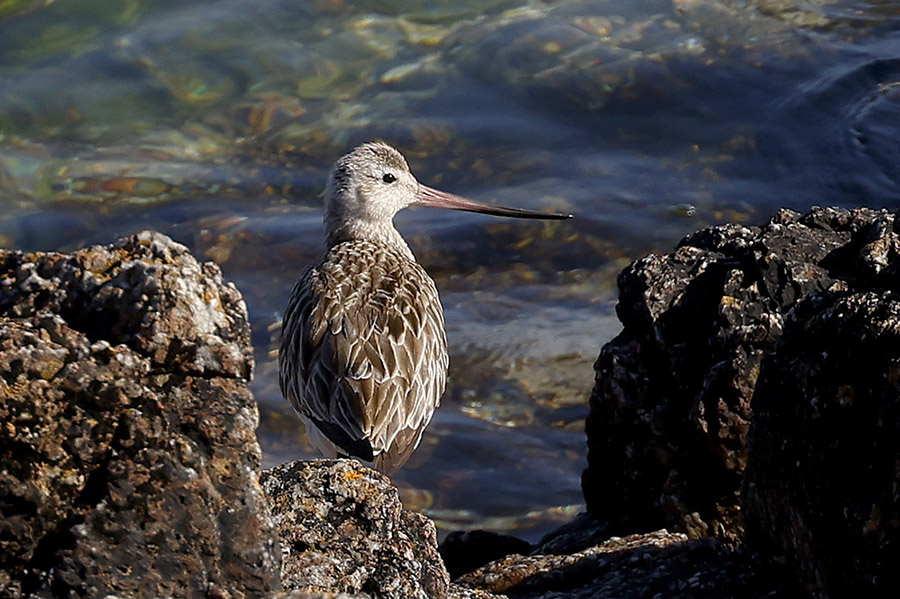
(128, 448)
(343, 529)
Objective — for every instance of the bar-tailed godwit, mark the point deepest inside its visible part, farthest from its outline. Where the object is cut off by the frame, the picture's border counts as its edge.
(363, 351)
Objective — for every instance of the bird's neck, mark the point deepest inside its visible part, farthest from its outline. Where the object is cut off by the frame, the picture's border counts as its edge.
(379, 233)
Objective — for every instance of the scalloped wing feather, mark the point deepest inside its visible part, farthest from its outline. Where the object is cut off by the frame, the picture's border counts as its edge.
(364, 352)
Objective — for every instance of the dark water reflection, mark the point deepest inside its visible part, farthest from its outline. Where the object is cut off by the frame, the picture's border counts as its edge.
(215, 122)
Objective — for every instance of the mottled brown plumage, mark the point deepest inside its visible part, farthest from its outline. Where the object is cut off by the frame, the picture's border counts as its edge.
(363, 353)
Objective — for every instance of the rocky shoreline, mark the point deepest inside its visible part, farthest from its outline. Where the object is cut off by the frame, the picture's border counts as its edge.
(741, 439)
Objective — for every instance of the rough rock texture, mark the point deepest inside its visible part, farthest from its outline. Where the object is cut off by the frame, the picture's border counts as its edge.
(343, 529)
(670, 410)
(128, 455)
(295, 594)
(464, 551)
(658, 564)
(822, 488)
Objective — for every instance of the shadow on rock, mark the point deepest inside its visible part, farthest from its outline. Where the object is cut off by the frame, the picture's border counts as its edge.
(821, 486)
(791, 327)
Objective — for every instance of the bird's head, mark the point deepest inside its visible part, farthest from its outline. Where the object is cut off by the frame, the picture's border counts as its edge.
(371, 184)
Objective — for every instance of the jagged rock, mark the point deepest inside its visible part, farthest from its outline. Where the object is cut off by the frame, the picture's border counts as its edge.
(464, 551)
(821, 489)
(128, 448)
(343, 529)
(658, 564)
(146, 292)
(670, 410)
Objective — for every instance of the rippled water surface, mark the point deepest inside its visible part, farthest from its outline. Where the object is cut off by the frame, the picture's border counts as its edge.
(216, 122)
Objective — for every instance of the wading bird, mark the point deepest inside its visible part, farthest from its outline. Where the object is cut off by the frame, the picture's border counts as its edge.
(363, 355)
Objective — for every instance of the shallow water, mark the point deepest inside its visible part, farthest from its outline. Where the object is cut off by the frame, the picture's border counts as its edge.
(216, 122)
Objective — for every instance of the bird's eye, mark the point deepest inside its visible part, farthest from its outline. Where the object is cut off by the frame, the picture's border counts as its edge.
(389, 178)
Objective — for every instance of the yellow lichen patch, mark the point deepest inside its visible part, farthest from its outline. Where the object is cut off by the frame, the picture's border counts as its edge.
(351, 475)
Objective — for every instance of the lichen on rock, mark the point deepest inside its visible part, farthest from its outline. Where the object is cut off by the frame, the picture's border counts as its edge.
(344, 529)
(128, 448)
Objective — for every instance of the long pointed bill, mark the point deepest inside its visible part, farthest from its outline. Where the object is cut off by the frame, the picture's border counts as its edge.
(435, 198)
